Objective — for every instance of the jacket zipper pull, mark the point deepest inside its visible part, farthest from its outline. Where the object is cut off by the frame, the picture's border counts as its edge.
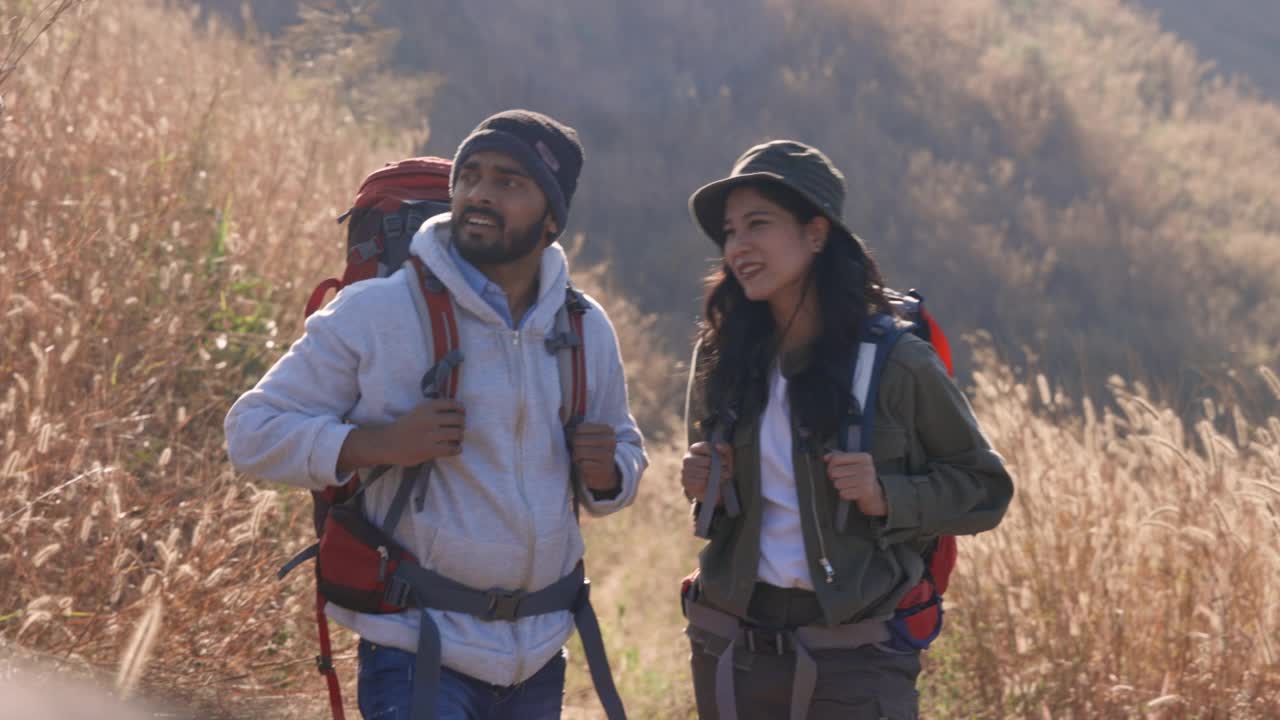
(826, 568)
(383, 557)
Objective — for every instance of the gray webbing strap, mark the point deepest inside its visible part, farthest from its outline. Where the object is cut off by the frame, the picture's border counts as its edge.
(413, 585)
(805, 639)
(584, 619)
(305, 555)
(426, 670)
(401, 499)
(803, 682)
(725, 627)
(716, 484)
(711, 497)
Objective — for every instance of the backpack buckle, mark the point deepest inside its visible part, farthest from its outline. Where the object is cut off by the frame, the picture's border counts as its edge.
(433, 379)
(392, 226)
(398, 592)
(504, 604)
(765, 642)
(560, 341)
(415, 220)
(363, 251)
(574, 301)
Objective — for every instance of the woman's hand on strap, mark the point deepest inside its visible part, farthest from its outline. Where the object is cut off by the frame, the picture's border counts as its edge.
(696, 469)
(854, 477)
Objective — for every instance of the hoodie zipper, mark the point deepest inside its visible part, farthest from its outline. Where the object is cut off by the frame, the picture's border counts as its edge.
(813, 507)
(521, 411)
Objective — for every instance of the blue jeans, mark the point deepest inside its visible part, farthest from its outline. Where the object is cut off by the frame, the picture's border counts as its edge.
(386, 687)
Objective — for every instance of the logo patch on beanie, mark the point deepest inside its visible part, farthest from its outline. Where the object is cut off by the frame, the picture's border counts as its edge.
(547, 156)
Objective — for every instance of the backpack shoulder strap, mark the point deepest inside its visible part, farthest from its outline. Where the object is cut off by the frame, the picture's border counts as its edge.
(567, 342)
(880, 333)
(440, 328)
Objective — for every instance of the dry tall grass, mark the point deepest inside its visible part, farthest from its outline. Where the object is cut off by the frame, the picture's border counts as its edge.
(166, 202)
(1137, 574)
(157, 186)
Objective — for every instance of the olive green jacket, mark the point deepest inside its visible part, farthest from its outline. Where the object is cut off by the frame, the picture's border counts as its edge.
(939, 473)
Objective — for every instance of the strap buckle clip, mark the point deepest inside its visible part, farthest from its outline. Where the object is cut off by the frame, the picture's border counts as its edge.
(504, 604)
(433, 380)
(398, 592)
(562, 340)
(765, 642)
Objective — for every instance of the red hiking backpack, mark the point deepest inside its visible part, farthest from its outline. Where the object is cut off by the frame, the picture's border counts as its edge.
(358, 562)
(917, 620)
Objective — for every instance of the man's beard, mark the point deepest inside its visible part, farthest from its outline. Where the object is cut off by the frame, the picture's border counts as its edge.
(508, 247)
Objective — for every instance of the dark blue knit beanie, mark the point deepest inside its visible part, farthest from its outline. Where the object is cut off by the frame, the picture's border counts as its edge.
(548, 149)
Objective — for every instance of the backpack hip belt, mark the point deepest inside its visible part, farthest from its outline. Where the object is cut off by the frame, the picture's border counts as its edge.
(737, 633)
(413, 586)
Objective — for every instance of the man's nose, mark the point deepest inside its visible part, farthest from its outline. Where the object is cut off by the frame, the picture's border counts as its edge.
(481, 193)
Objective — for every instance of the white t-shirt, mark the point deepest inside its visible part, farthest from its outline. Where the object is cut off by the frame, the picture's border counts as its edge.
(782, 556)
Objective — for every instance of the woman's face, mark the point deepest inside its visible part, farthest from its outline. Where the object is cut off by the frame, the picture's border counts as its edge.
(766, 248)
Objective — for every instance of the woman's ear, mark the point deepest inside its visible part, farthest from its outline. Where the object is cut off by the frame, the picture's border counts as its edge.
(816, 232)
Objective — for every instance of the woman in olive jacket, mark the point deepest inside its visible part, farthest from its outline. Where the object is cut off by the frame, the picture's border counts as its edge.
(787, 615)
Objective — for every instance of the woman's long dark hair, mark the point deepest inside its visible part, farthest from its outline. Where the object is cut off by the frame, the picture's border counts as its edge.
(740, 340)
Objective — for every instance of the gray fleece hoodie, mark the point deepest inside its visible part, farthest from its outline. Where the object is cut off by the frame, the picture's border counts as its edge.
(497, 516)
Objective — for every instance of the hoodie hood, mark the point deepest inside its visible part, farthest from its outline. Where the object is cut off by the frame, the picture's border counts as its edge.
(431, 245)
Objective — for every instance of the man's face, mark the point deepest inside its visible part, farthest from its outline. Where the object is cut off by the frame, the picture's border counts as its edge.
(499, 213)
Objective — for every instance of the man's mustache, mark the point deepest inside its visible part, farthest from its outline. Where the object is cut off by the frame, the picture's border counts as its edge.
(485, 212)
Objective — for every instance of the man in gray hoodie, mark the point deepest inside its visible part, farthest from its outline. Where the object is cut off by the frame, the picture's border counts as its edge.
(498, 511)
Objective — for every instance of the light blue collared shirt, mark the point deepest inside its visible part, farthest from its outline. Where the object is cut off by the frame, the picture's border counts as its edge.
(488, 290)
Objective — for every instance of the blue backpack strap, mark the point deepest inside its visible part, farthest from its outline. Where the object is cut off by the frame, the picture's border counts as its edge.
(879, 334)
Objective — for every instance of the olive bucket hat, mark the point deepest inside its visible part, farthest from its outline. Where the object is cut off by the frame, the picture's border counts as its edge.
(801, 167)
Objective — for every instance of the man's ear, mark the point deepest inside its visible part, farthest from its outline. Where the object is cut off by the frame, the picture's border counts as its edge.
(550, 231)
